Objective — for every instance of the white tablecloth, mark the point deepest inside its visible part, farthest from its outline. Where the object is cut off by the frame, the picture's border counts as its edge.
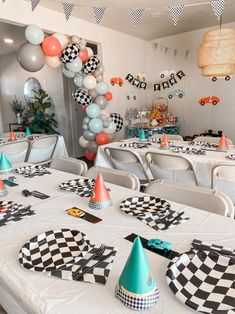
(24, 291)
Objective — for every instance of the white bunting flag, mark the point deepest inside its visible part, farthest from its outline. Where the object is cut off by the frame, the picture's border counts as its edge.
(218, 7)
(34, 4)
(68, 8)
(137, 14)
(99, 13)
(175, 12)
(175, 52)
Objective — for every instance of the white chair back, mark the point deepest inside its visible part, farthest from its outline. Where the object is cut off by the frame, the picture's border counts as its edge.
(198, 197)
(210, 139)
(16, 151)
(71, 165)
(118, 177)
(42, 149)
(224, 171)
(173, 137)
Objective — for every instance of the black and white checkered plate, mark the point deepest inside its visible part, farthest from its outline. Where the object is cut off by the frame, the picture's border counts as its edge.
(231, 157)
(156, 140)
(188, 150)
(203, 280)
(14, 212)
(204, 144)
(52, 249)
(141, 205)
(32, 171)
(135, 145)
(83, 187)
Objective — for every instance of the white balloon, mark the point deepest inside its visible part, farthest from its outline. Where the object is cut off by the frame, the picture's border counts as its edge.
(75, 66)
(83, 42)
(89, 82)
(90, 52)
(83, 142)
(110, 129)
(93, 93)
(99, 78)
(63, 39)
(75, 39)
(105, 113)
(78, 80)
(68, 73)
(34, 34)
(82, 47)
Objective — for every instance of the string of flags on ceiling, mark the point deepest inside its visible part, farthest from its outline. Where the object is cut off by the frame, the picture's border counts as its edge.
(136, 13)
(158, 47)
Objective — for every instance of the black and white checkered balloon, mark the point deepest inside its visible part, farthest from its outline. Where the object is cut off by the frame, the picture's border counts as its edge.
(82, 97)
(70, 53)
(91, 65)
(118, 120)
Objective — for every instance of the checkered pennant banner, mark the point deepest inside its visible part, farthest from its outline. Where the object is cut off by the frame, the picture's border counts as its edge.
(34, 4)
(99, 13)
(136, 14)
(68, 8)
(218, 7)
(175, 12)
(5, 0)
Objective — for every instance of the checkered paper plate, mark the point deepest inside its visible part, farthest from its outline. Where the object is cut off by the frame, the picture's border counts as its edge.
(204, 144)
(188, 150)
(135, 145)
(83, 187)
(156, 140)
(13, 212)
(231, 157)
(32, 171)
(203, 280)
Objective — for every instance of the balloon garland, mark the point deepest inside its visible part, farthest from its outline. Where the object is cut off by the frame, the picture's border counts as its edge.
(79, 63)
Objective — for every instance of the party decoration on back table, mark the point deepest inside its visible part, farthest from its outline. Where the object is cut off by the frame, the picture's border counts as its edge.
(3, 190)
(5, 164)
(223, 143)
(165, 142)
(136, 287)
(142, 136)
(28, 132)
(100, 196)
(12, 136)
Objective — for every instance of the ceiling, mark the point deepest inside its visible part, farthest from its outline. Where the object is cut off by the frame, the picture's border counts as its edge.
(156, 21)
(16, 33)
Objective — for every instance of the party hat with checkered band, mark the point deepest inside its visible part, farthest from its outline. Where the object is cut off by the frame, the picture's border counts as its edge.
(100, 196)
(27, 132)
(164, 142)
(12, 136)
(3, 190)
(136, 287)
(223, 143)
(5, 164)
(142, 136)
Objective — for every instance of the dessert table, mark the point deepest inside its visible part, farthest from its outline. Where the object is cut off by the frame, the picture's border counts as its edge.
(24, 291)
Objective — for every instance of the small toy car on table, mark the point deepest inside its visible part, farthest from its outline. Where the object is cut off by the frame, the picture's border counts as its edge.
(76, 212)
(160, 245)
(116, 80)
(209, 100)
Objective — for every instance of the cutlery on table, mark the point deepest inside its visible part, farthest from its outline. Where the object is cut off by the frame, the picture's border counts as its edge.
(173, 220)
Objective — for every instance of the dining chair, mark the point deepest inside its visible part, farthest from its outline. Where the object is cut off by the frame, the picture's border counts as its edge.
(118, 177)
(210, 139)
(173, 137)
(42, 149)
(16, 151)
(170, 164)
(68, 164)
(127, 160)
(199, 197)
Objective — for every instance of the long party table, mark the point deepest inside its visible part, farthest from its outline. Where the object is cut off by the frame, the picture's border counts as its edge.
(24, 291)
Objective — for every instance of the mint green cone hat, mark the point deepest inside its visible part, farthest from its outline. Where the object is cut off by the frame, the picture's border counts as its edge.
(5, 164)
(142, 136)
(27, 132)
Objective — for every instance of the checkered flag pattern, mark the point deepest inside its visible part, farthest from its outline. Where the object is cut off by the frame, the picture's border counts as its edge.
(32, 171)
(218, 7)
(81, 97)
(70, 53)
(137, 14)
(13, 212)
(188, 150)
(34, 4)
(155, 140)
(231, 157)
(204, 279)
(132, 114)
(118, 120)
(98, 274)
(205, 246)
(91, 65)
(52, 249)
(175, 12)
(135, 145)
(83, 187)
(68, 8)
(204, 144)
(99, 13)
(141, 303)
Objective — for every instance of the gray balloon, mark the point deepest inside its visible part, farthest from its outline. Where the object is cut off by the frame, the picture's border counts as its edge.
(88, 135)
(99, 78)
(105, 124)
(86, 120)
(101, 102)
(85, 126)
(92, 146)
(30, 57)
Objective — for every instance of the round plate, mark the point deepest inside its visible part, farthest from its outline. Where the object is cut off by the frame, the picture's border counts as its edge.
(231, 157)
(52, 249)
(204, 281)
(188, 150)
(82, 187)
(204, 144)
(139, 205)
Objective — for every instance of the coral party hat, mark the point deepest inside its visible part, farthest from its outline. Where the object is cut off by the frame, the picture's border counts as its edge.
(142, 136)
(5, 164)
(136, 287)
(12, 136)
(27, 132)
(3, 190)
(223, 143)
(164, 142)
(100, 196)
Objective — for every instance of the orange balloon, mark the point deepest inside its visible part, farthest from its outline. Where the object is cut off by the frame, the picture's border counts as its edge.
(90, 155)
(102, 138)
(108, 96)
(51, 46)
(83, 55)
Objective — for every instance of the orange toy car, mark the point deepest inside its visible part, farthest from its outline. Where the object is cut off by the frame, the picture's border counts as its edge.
(116, 80)
(209, 100)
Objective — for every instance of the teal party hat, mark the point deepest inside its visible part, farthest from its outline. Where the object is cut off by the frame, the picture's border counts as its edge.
(5, 164)
(27, 132)
(142, 136)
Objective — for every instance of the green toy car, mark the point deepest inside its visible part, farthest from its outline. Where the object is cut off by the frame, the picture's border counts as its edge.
(160, 245)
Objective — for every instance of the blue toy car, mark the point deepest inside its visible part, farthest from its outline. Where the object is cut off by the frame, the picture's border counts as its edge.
(160, 245)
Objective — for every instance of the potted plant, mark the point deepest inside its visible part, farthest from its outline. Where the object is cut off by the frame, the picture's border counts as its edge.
(18, 108)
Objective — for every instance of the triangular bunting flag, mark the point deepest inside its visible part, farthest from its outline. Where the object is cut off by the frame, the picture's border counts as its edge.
(136, 14)
(3, 1)
(34, 4)
(175, 12)
(99, 13)
(68, 8)
(218, 7)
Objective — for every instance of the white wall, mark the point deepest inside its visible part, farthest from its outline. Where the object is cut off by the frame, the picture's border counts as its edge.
(121, 53)
(193, 117)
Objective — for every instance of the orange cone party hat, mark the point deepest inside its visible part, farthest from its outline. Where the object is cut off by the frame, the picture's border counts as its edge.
(165, 142)
(3, 190)
(223, 143)
(12, 136)
(100, 196)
